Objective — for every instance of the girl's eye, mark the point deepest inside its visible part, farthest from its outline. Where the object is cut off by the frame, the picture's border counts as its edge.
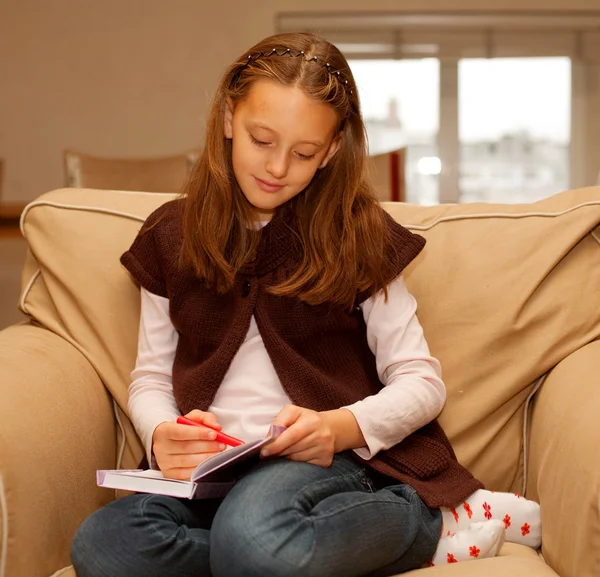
(304, 156)
(263, 143)
(259, 142)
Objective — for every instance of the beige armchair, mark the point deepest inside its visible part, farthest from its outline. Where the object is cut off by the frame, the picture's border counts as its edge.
(155, 174)
(509, 300)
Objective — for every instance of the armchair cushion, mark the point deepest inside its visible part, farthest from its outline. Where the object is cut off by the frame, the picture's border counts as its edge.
(56, 429)
(564, 472)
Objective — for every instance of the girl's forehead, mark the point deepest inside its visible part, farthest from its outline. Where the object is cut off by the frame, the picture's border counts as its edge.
(287, 109)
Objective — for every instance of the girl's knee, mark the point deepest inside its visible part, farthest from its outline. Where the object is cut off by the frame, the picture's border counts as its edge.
(241, 548)
(90, 543)
(99, 545)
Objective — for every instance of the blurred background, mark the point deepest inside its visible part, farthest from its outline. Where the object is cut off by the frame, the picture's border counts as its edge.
(481, 102)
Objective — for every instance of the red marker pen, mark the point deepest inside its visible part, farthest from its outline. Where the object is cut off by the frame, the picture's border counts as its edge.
(221, 437)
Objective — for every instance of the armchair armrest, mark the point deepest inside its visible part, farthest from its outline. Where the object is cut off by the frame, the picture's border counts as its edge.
(564, 469)
(56, 428)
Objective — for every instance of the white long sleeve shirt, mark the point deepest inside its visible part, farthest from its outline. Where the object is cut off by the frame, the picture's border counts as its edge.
(251, 394)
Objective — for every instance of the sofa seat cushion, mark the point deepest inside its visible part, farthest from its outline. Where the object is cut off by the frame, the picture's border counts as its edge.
(512, 560)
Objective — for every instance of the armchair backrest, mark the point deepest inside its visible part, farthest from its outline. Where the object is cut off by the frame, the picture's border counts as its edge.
(154, 174)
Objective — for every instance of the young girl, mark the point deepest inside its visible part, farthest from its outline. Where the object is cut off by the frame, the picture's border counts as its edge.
(272, 294)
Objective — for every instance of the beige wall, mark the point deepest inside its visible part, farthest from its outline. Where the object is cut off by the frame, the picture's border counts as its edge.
(133, 77)
(12, 255)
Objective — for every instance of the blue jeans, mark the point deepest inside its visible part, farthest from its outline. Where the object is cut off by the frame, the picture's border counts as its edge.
(282, 519)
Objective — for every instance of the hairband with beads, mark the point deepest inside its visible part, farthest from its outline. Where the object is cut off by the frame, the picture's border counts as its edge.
(288, 52)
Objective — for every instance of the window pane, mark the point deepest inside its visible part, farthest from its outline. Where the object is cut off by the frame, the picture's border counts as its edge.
(514, 126)
(400, 105)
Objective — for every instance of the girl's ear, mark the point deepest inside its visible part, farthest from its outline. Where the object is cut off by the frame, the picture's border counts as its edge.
(333, 148)
(228, 119)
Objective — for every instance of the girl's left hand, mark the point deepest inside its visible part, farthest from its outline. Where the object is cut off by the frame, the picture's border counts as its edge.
(309, 437)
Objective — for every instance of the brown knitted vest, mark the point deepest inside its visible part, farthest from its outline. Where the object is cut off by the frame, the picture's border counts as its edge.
(320, 352)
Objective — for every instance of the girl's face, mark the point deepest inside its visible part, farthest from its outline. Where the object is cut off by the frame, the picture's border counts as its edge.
(280, 138)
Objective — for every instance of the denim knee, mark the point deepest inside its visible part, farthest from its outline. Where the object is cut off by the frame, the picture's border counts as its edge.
(89, 543)
(235, 553)
(243, 546)
(135, 536)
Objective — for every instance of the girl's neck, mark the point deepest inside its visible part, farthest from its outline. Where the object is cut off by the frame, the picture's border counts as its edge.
(263, 217)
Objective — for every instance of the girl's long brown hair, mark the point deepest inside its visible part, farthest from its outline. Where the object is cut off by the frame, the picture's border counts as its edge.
(340, 225)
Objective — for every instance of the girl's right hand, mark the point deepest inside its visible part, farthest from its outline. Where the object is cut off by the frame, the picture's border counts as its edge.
(178, 449)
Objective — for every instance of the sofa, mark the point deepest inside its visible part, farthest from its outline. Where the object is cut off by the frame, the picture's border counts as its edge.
(509, 298)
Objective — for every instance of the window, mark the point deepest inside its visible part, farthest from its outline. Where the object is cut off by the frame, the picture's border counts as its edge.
(400, 105)
(513, 120)
(514, 127)
(493, 107)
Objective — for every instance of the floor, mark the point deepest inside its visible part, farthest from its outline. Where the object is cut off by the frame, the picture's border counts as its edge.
(12, 255)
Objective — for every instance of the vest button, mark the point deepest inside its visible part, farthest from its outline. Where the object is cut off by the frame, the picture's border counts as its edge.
(246, 289)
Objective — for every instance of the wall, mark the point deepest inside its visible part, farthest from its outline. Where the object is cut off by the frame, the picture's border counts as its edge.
(12, 254)
(134, 77)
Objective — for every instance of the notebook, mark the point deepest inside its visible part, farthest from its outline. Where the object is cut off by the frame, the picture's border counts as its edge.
(211, 479)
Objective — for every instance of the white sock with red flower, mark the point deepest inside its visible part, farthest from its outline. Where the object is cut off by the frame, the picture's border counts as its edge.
(478, 541)
(521, 517)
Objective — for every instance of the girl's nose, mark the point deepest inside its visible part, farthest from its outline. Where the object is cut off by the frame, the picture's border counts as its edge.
(278, 164)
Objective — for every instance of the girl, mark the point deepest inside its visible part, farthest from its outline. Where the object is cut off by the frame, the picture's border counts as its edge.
(272, 293)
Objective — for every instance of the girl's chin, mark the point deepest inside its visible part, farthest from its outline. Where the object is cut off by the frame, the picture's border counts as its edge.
(263, 213)
(262, 205)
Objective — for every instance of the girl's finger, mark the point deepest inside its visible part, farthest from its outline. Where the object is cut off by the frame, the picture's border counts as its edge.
(304, 444)
(303, 456)
(203, 417)
(194, 447)
(289, 438)
(179, 474)
(177, 432)
(288, 416)
(314, 457)
(184, 461)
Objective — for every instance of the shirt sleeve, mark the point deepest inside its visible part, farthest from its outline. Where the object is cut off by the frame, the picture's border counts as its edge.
(151, 399)
(414, 393)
